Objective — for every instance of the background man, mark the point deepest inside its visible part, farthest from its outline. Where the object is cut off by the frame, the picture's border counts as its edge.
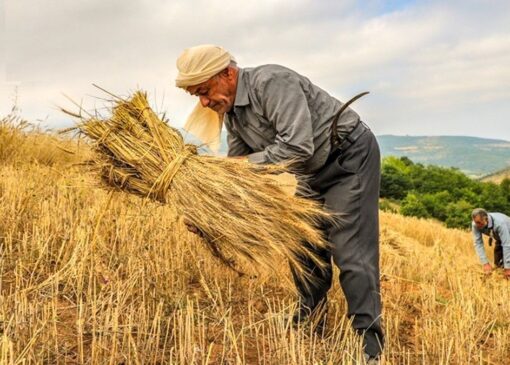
(272, 114)
(497, 227)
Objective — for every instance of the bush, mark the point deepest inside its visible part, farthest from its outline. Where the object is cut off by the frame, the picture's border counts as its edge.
(413, 206)
(394, 183)
(458, 214)
(388, 206)
(435, 204)
(493, 198)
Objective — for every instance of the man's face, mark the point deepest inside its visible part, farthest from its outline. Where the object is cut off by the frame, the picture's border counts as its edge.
(480, 222)
(218, 93)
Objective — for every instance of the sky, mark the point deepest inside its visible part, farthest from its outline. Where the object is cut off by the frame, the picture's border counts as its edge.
(432, 67)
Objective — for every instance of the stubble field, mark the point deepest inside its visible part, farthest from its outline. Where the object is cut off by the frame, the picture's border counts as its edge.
(92, 277)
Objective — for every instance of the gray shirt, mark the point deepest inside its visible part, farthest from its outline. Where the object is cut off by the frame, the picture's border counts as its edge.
(500, 224)
(279, 115)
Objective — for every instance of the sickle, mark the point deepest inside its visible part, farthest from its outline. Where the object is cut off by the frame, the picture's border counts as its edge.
(334, 135)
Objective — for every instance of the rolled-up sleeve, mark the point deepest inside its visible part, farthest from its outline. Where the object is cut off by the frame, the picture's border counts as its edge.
(285, 105)
(504, 236)
(478, 242)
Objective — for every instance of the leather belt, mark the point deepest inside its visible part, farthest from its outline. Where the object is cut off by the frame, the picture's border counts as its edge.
(352, 137)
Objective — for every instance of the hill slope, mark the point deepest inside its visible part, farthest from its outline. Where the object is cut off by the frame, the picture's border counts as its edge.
(474, 156)
(497, 176)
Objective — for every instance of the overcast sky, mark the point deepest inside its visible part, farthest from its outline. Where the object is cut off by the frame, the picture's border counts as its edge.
(432, 67)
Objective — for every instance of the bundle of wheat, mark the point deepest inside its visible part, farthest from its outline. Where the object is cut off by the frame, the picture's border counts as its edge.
(239, 209)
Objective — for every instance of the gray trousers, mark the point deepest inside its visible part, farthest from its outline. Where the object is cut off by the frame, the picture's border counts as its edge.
(498, 254)
(349, 185)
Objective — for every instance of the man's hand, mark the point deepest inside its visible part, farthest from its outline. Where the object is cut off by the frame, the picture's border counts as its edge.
(487, 268)
(507, 274)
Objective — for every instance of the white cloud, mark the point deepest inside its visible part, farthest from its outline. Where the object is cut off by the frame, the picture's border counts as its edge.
(433, 67)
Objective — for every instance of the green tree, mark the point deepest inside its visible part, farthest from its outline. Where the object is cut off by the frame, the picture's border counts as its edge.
(394, 183)
(436, 204)
(466, 194)
(434, 179)
(413, 206)
(458, 214)
(493, 198)
(505, 188)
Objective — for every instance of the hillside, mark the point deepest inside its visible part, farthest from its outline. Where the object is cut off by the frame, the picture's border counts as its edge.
(474, 156)
(92, 277)
(497, 176)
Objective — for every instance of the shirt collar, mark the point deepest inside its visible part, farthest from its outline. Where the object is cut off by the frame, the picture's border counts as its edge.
(490, 222)
(242, 90)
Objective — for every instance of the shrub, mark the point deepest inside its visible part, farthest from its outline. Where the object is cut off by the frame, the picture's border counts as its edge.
(413, 206)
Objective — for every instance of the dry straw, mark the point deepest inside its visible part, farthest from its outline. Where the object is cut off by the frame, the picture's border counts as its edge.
(238, 207)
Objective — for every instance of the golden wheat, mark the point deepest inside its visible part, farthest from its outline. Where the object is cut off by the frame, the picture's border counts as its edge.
(238, 208)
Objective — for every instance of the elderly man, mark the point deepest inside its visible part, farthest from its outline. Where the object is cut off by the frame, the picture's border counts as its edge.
(273, 114)
(497, 227)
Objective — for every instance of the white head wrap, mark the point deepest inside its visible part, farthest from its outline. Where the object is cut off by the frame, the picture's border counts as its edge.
(200, 63)
(196, 65)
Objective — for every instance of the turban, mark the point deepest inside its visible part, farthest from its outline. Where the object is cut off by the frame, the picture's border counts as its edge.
(196, 65)
(200, 63)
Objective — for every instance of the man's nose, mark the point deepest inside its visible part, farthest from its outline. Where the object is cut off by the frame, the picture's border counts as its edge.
(204, 100)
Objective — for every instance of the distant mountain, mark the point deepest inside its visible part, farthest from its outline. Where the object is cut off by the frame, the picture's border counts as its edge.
(474, 156)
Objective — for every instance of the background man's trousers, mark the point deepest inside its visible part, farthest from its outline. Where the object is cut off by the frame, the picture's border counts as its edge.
(349, 185)
(498, 254)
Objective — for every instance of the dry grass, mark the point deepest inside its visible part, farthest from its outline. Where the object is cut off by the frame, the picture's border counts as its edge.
(22, 142)
(93, 278)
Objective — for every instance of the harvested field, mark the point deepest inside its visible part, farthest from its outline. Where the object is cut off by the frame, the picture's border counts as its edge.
(89, 277)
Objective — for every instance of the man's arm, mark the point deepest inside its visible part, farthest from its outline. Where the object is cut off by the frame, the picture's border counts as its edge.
(236, 145)
(478, 242)
(285, 105)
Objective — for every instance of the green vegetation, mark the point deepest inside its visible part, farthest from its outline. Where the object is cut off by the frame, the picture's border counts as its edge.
(446, 194)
